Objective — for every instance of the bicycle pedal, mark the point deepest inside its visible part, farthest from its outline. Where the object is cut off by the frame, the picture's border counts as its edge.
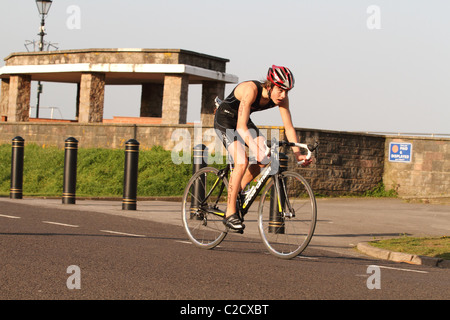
(235, 231)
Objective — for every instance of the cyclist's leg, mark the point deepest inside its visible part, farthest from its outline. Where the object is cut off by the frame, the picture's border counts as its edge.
(240, 161)
(236, 152)
(254, 169)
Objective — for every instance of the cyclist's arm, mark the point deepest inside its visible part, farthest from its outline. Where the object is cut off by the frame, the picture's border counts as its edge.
(289, 129)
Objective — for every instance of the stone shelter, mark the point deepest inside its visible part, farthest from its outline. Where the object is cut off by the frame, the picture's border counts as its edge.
(164, 74)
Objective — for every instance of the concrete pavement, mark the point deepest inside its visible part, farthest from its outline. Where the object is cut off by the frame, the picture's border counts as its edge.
(343, 224)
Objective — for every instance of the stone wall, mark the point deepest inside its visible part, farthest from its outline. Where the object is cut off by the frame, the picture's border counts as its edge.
(93, 135)
(427, 175)
(347, 163)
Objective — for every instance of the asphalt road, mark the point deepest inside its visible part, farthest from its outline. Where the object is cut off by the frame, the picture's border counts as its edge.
(123, 256)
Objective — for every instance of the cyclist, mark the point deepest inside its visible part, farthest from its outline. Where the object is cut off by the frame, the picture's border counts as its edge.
(233, 124)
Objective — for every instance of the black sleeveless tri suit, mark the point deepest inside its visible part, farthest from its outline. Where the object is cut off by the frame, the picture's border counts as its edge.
(225, 120)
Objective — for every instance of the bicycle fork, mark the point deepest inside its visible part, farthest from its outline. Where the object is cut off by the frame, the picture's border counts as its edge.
(277, 201)
(280, 206)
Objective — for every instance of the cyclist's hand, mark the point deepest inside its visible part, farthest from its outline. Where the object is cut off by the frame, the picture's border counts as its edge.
(303, 157)
(263, 156)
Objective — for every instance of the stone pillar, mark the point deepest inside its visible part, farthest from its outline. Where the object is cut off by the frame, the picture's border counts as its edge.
(174, 110)
(4, 100)
(92, 97)
(152, 100)
(19, 98)
(210, 90)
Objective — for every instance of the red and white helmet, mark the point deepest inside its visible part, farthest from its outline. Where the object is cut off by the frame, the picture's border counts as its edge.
(281, 77)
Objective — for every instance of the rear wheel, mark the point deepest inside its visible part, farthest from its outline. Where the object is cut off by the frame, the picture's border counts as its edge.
(204, 228)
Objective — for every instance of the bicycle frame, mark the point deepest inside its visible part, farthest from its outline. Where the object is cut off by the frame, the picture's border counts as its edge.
(261, 182)
(273, 169)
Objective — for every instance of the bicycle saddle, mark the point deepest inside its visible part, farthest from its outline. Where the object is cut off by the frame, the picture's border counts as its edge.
(217, 101)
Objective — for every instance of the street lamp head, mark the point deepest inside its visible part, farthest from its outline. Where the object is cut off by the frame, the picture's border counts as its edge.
(43, 6)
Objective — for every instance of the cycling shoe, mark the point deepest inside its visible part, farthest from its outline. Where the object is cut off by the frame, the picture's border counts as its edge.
(233, 222)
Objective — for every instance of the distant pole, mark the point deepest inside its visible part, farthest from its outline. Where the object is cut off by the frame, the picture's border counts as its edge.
(18, 146)
(70, 171)
(130, 179)
(43, 8)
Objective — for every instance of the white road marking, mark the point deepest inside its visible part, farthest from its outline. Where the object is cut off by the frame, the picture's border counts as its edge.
(123, 234)
(401, 269)
(307, 258)
(9, 217)
(61, 224)
(185, 242)
(188, 242)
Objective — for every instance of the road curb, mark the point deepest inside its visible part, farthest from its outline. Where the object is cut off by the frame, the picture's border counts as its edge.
(384, 254)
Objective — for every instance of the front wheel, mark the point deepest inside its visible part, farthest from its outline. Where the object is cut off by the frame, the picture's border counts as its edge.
(287, 233)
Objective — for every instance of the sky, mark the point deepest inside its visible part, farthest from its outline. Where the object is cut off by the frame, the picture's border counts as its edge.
(370, 66)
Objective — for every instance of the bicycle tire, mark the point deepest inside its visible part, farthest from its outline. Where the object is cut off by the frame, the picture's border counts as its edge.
(287, 237)
(204, 229)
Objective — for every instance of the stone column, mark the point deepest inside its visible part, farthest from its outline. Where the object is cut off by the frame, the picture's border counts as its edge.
(19, 98)
(4, 100)
(152, 100)
(210, 90)
(174, 110)
(92, 97)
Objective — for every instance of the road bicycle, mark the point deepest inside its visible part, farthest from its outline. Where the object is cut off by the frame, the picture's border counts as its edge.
(287, 210)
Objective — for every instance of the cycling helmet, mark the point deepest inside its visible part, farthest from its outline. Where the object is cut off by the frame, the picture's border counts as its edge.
(281, 77)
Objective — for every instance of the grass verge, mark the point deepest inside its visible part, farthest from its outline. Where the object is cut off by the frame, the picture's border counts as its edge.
(431, 247)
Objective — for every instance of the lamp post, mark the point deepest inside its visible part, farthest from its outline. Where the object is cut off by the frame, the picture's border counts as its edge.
(43, 7)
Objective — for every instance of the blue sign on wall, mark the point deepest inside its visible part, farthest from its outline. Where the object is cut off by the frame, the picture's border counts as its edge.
(400, 152)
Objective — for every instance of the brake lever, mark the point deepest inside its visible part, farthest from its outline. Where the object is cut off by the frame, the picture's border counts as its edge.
(311, 148)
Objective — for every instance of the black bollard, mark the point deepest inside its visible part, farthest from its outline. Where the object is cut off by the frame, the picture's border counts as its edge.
(70, 171)
(18, 146)
(200, 157)
(200, 161)
(130, 179)
(276, 223)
